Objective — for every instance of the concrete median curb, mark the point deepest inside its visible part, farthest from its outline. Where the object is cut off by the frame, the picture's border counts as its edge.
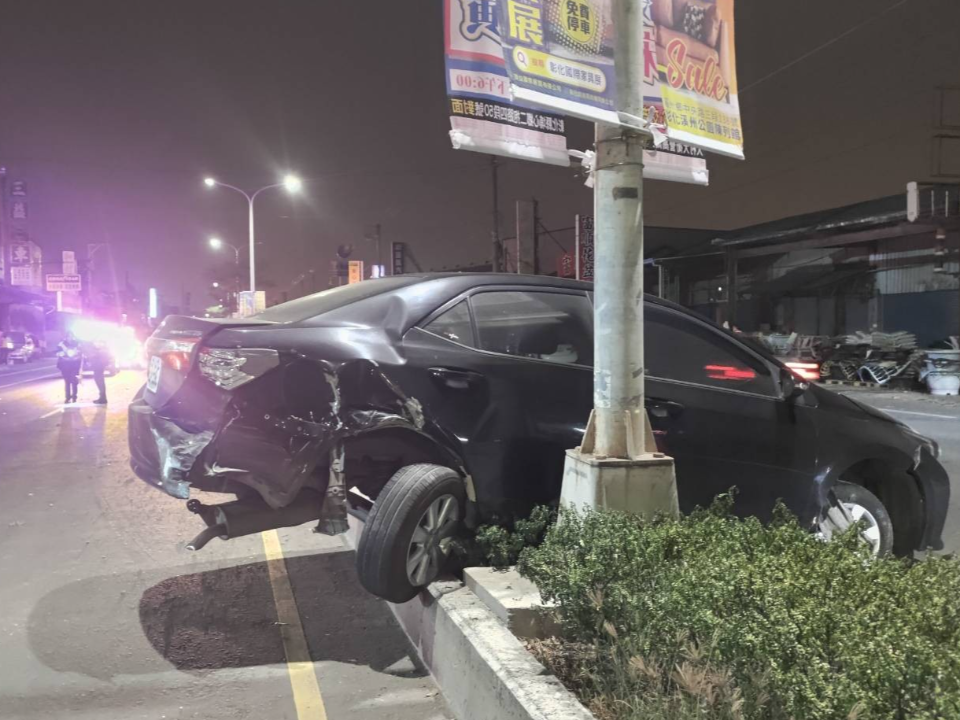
(483, 670)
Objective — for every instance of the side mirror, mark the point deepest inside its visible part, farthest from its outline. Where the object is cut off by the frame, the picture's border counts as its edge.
(792, 386)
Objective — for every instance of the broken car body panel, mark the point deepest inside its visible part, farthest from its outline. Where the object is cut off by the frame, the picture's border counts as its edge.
(266, 405)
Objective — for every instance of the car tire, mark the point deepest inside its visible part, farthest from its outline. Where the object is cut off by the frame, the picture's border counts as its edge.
(859, 504)
(407, 539)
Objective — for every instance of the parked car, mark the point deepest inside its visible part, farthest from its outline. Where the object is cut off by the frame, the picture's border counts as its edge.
(23, 348)
(427, 404)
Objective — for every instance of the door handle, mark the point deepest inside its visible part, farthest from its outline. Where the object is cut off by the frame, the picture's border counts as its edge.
(663, 408)
(456, 379)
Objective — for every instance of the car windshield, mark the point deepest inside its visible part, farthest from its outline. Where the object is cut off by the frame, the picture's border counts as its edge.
(322, 302)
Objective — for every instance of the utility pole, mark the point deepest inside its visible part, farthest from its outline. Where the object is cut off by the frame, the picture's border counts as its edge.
(497, 264)
(617, 465)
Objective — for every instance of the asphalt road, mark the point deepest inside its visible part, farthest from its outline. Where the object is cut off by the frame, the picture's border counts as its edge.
(26, 373)
(104, 615)
(937, 418)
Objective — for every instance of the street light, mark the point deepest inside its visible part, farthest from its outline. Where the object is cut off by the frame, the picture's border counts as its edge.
(218, 244)
(292, 183)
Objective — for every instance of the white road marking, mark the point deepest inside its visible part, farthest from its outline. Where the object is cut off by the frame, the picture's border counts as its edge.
(10, 373)
(28, 380)
(921, 414)
(58, 411)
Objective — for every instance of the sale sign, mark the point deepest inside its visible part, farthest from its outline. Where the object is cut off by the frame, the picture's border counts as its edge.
(690, 67)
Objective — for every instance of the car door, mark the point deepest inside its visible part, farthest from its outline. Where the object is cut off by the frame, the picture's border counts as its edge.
(718, 409)
(508, 372)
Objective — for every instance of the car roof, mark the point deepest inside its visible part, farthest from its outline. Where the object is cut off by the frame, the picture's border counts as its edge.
(419, 293)
(466, 281)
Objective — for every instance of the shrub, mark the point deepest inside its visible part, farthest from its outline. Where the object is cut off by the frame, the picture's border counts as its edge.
(711, 616)
(499, 546)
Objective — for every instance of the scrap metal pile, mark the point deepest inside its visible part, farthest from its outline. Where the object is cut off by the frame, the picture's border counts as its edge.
(873, 357)
(877, 357)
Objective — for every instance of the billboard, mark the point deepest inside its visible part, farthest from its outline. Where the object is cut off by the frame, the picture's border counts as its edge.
(63, 282)
(693, 48)
(483, 114)
(251, 302)
(559, 54)
(21, 275)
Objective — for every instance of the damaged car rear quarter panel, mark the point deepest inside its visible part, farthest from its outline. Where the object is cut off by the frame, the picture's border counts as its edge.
(276, 432)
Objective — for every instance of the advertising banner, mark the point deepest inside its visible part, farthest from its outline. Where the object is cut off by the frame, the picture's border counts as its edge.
(483, 115)
(693, 48)
(584, 250)
(559, 54)
(671, 160)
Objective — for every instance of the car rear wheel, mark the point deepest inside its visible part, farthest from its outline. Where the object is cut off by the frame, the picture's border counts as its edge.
(408, 537)
(852, 504)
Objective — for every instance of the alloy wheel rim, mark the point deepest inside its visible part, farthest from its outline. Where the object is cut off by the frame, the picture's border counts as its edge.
(432, 540)
(841, 517)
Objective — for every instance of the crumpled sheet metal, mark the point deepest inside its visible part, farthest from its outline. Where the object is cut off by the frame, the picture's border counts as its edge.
(275, 449)
(178, 450)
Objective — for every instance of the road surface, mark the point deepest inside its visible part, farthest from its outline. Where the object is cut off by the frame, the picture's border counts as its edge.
(23, 374)
(106, 617)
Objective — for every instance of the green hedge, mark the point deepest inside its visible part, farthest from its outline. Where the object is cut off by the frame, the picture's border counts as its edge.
(711, 616)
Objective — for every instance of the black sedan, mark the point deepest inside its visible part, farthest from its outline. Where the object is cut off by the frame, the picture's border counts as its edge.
(427, 404)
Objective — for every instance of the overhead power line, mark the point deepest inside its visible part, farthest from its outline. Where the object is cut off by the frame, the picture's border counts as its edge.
(824, 46)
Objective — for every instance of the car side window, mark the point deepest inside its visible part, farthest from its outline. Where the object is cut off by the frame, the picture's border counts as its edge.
(556, 327)
(453, 325)
(677, 348)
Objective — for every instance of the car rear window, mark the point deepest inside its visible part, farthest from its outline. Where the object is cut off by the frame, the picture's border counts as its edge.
(322, 302)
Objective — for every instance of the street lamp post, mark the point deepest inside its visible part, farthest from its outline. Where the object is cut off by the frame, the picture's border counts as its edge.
(292, 184)
(216, 243)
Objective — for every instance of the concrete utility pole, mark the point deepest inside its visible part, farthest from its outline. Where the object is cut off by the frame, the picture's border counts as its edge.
(617, 465)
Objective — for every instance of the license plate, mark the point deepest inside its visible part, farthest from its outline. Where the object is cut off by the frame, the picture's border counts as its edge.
(153, 373)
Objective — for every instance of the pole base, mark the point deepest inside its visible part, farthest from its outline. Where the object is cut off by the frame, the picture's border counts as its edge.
(644, 485)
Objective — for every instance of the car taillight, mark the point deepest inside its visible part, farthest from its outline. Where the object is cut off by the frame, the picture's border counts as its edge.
(231, 368)
(809, 371)
(175, 354)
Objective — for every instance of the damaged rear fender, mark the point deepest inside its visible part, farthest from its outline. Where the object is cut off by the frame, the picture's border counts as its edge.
(276, 434)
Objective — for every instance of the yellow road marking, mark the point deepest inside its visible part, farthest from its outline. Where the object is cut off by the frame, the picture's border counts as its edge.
(303, 678)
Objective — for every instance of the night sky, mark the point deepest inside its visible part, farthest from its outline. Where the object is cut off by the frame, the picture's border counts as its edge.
(114, 111)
